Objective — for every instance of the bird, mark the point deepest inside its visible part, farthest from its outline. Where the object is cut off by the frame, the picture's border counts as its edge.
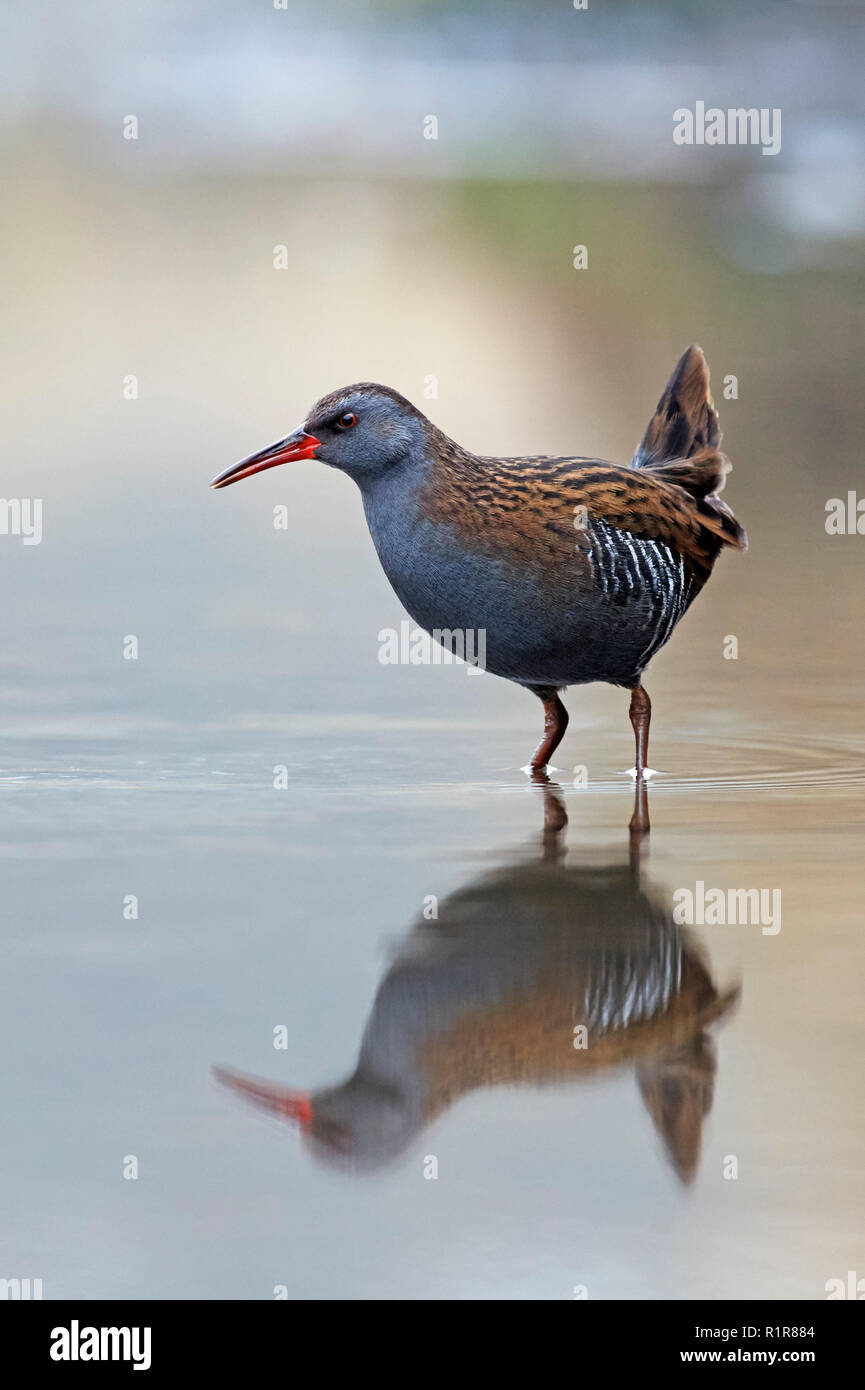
(567, 570)
(492, 993)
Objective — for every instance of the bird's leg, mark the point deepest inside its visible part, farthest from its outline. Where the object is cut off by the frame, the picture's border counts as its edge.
(555, 814)
(639, 824)
(555, 723)
(640, 714)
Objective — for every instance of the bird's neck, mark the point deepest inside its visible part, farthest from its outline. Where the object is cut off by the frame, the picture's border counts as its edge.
(434, 464)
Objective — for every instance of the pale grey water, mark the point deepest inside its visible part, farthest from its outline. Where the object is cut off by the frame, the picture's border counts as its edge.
(261, 907)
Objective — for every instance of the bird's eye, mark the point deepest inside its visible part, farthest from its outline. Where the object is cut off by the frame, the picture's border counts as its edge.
(347, 422)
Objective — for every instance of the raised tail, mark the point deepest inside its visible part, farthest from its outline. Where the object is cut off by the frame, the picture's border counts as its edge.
(685, 419)
(681, 446)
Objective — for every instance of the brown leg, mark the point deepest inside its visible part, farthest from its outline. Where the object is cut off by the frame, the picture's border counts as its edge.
(555, 815)
(555, 723)
(640, 714)
(639, 825)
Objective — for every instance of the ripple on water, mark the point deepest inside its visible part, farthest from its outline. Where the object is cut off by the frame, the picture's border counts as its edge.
(748, 762)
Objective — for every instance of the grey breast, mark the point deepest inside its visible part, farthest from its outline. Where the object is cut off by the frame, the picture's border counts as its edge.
(565, 625)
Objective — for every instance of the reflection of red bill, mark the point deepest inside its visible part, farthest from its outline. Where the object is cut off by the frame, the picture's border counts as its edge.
(290, 1105)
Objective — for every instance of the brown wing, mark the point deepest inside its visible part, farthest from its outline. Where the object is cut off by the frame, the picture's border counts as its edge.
(535, 511)
(674, 504)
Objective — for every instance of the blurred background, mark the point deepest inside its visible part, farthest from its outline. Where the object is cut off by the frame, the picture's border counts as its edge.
(408, 259)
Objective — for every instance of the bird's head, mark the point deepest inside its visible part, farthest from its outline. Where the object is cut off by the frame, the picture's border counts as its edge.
(360, 1124)
(365, 430)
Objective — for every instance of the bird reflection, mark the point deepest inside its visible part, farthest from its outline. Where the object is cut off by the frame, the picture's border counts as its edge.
(542, 972)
